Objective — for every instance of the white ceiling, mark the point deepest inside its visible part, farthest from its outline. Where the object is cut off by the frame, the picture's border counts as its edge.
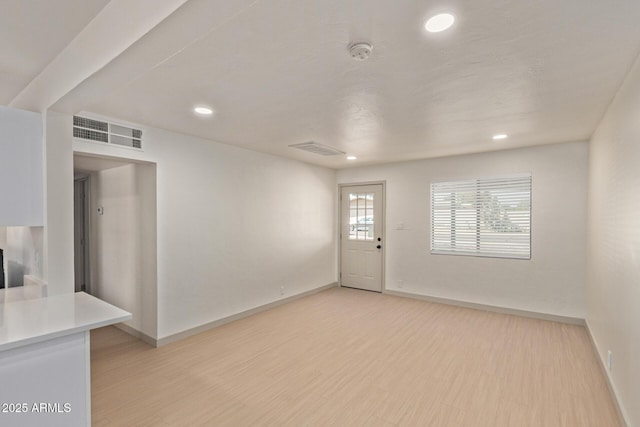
(33, 33)
(278, 72)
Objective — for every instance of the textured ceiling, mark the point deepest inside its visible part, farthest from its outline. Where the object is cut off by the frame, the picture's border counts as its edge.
(278, 72)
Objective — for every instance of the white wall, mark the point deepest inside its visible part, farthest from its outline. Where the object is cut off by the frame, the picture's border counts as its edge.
(58, 256)
(123, 242)
(613, 274)
(233, 227)
(552, 282)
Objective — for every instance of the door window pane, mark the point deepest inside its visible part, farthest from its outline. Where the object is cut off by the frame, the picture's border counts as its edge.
(361, 221)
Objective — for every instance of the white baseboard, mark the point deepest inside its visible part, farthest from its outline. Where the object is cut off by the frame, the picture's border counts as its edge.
(612, 389)
(136, 333)
(492, 308)
(193, 331)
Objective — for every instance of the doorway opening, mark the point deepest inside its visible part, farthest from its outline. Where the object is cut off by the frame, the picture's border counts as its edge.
(116, 236)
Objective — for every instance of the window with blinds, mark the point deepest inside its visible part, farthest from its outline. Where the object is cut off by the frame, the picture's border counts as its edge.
(482, 217)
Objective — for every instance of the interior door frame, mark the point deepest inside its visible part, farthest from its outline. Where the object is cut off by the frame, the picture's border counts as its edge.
(383, 229)
(85, 180)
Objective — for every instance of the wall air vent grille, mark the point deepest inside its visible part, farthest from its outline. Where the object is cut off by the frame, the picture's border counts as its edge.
(110, 133)
(83, 122)
(315, 148)
(90, 134)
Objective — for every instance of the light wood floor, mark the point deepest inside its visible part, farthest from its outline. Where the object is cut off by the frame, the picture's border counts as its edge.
(349, 358)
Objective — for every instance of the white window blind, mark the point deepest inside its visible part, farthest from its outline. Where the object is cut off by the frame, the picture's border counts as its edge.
(482, 217)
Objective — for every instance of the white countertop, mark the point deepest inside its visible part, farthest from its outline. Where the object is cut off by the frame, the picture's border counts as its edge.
(35, 320)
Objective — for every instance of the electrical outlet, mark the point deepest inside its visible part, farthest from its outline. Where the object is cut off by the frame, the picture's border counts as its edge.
(609, 359)
(281, 290)
(400, 283)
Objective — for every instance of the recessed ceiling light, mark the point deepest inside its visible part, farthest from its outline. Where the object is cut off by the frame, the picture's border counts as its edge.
(500, 136)
(204, 111)
(440, 22)
(352, 158)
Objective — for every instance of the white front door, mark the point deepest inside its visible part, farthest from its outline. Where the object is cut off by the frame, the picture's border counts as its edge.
(361, 240)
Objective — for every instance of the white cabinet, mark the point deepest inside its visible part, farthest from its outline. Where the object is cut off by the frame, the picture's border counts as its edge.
(21, 168)
(45, 373)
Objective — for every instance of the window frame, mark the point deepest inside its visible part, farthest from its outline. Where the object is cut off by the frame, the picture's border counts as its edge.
(460, 187)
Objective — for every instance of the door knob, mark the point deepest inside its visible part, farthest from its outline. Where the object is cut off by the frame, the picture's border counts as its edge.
(379, 239)
(379, 247)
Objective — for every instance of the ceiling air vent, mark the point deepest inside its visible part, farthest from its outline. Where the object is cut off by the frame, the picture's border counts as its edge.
(315, 148)
(110, 133)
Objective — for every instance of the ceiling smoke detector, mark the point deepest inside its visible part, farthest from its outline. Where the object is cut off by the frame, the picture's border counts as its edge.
(360, 51)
